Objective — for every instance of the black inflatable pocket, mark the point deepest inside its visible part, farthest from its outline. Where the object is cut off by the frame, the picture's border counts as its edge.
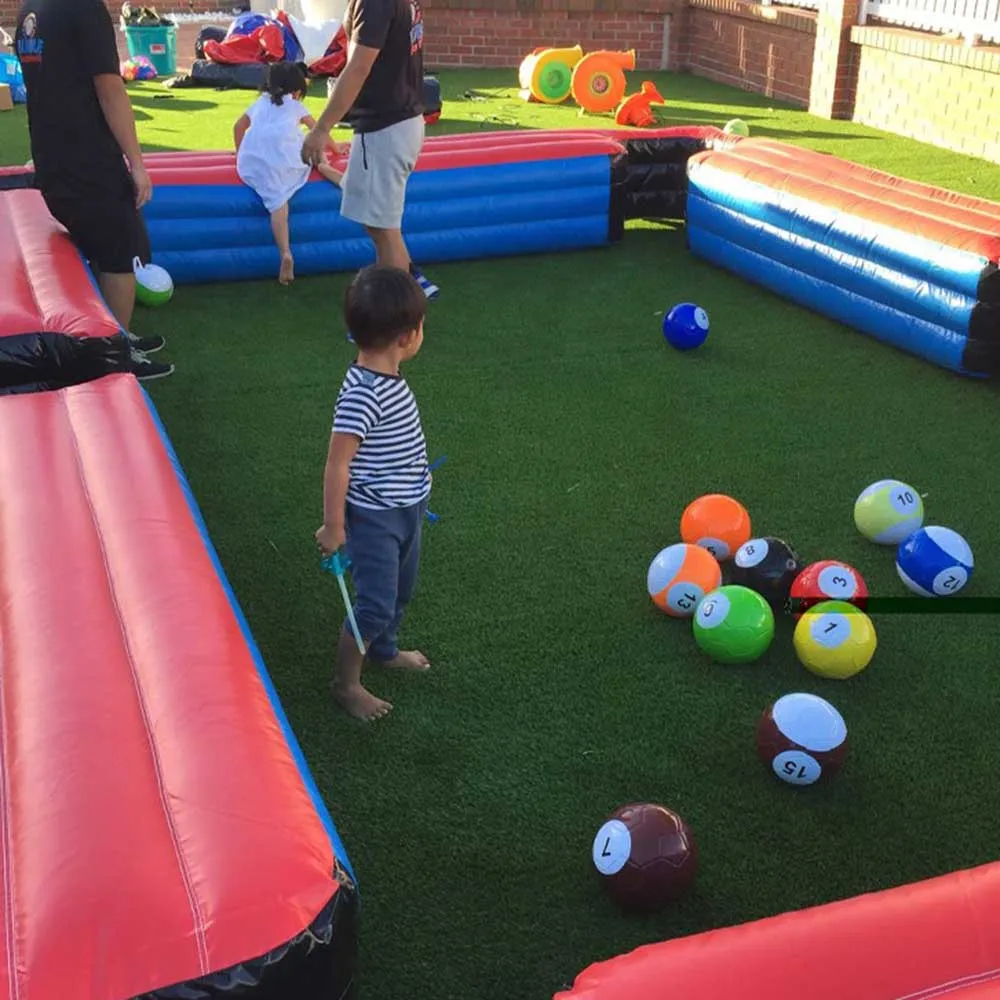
(34, 362)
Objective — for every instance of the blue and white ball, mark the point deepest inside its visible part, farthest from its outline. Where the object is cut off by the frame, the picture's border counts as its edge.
(934, 562)
(685, 327)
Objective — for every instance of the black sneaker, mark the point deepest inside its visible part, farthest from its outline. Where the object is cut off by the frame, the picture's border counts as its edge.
(430, 289)
(143, 368)
(147, 345)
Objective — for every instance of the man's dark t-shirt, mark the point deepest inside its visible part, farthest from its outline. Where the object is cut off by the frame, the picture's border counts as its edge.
(62, 45)
(394, 90)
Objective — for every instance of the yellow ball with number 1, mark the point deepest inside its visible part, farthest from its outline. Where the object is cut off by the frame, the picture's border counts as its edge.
(835, 640)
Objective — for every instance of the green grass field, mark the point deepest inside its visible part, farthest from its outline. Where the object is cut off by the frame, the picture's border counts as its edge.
(575, 438)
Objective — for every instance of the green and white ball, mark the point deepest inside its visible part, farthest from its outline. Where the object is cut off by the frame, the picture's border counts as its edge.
(153, 285)
(888, 512)
(733, 624)
(737, 127)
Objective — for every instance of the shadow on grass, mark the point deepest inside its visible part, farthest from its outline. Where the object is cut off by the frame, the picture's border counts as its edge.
(457, 117)
(166, 102)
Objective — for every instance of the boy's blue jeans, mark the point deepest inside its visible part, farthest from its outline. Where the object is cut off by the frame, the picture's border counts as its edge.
(384, 549)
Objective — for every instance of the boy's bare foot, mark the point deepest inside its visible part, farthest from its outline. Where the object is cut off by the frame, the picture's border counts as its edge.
(407, 659)
(287, 273)
(360, 703)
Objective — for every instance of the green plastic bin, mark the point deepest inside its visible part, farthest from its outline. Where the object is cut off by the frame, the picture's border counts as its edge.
(159, 45)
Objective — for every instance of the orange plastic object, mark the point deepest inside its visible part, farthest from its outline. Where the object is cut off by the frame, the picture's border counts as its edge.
(599, 83)
(635, 110)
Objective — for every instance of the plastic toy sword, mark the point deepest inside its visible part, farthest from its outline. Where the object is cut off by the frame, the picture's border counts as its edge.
(334, 564)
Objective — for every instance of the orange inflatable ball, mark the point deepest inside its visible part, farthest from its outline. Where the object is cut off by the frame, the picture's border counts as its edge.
(680, 576)
(716, 522)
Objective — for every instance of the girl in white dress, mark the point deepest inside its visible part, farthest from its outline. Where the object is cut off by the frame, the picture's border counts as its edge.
(268, 141)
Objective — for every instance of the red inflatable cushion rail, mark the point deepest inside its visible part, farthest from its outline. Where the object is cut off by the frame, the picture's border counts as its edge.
(155, 826)
(441, 152)
(934, 938)
(942, 203)
(832, 183)
(472, 146)
(44, 285)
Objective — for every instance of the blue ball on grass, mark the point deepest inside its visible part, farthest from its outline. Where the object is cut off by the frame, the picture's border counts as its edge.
(685, 327)
(934, 562)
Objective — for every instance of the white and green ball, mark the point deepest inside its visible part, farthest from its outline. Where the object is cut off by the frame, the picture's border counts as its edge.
(888, 512)
(153, 284)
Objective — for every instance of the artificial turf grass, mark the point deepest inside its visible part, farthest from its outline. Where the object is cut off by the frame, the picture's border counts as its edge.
(575, 437)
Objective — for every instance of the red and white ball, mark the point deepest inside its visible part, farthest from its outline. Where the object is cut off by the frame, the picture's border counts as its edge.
(802, 739)
(646, 855)
(828, 580)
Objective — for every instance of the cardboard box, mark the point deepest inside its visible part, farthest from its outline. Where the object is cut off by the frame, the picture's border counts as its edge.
(6, 101)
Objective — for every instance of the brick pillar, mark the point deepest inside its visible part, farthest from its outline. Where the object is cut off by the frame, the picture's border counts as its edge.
(835, 71)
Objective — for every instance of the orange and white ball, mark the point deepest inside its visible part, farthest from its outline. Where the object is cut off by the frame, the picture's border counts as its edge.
(716, 522)
(680, 576)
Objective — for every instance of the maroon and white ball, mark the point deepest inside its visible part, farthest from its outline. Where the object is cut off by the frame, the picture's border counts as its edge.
(802, 739)
(646, 855)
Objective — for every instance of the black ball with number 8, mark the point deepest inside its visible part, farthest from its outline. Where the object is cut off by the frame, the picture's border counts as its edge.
(768, 566)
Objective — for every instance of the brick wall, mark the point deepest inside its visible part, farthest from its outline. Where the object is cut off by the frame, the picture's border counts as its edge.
(768, 50)
(465, 35)
(931, 89)
(913, 83)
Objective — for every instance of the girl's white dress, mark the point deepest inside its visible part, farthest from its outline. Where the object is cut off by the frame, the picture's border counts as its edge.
(270, 156)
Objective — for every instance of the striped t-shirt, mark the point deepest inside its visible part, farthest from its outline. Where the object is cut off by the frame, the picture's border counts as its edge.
(390, 467)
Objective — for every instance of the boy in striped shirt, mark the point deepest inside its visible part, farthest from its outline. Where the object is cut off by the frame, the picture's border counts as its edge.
(377, 481)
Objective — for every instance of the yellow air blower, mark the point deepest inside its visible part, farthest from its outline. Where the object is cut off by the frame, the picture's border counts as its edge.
(547, 74)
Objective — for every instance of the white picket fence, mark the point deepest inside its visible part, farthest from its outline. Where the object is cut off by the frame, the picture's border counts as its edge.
(968, 18)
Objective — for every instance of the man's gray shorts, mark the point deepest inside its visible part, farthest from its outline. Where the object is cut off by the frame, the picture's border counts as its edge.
(373, 192)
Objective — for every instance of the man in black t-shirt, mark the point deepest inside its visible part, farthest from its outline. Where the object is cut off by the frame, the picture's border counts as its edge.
(381, 89)
(82, 131)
